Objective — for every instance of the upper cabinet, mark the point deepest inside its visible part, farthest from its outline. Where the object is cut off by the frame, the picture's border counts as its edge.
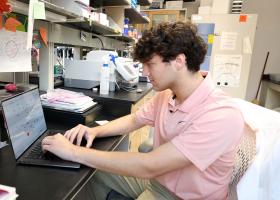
(165, 15)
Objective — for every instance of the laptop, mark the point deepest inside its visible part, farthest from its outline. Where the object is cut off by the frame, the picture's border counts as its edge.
(26, 127)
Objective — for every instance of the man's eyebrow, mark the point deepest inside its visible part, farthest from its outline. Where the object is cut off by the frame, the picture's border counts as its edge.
(150, 62)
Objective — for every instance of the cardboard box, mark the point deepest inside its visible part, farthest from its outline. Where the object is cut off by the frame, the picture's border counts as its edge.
(174, 5)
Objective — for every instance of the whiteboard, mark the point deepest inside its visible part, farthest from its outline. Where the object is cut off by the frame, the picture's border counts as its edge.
(14, 56)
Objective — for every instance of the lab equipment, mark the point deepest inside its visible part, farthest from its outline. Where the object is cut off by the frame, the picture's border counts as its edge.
(86, 73)
(104, 79)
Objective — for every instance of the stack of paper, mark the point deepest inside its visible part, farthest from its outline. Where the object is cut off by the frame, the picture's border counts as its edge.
(67, 100)
(7, 193)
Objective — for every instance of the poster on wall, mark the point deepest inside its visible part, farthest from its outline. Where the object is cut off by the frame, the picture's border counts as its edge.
(206, 31)
(13, 53)
(227, 70)
(228, 40)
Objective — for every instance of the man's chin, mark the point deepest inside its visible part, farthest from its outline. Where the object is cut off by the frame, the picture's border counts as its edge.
(156, 89)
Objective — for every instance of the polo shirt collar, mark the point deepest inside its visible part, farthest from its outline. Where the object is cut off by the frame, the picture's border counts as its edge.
(196, 98)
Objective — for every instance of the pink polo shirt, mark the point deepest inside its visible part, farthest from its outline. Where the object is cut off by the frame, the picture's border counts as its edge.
(206, 128)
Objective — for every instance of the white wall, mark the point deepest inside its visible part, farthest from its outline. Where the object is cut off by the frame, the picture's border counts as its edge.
(6, 76)
(267, 38)
(192, 8)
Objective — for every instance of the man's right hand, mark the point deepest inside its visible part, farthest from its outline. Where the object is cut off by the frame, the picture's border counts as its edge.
(78, 132)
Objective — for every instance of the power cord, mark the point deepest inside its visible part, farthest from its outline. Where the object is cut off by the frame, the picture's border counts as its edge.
(94, 36)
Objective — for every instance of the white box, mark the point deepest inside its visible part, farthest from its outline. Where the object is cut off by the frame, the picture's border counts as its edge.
(204, 10)
(94, 16)
(103, 19)
(174, 5)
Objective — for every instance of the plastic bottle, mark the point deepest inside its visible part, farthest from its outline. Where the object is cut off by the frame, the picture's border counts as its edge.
(125, 27)
(112, 79)
(104, 78)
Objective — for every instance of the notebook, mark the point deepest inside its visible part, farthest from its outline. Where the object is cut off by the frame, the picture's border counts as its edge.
(26, 127)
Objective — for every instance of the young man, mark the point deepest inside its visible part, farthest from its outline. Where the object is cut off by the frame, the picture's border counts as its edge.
(197, 128)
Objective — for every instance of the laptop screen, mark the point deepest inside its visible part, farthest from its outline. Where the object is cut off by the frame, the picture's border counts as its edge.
(24, 120)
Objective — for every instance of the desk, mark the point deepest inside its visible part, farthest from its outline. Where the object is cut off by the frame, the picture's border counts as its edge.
(33, 182)
(117, 103)
(120, 103)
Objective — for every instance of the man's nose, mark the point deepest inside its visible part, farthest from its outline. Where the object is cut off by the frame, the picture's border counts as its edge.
(145, 70)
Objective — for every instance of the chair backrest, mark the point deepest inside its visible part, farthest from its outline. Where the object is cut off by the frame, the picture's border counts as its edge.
(246, 151)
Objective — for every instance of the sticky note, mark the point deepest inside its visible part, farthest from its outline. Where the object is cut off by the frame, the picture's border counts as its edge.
(39, 10)
(12, 24)
(210, 38)
(242, 18)
(43, 33)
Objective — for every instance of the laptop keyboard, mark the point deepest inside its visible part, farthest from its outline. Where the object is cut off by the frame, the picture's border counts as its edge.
(37, 152)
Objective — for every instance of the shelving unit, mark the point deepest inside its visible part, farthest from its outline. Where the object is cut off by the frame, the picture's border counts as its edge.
(61, 11)
(89, 26)
(135, 17)
(100, 3)
(121, 37)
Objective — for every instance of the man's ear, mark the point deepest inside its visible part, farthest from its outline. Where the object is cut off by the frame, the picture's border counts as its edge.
(180, 61)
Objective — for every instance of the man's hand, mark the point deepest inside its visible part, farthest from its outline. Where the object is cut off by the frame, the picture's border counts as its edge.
(60, 146)
(78, 132)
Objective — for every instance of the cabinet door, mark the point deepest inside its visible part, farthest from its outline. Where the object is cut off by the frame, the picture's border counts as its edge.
(157, 17)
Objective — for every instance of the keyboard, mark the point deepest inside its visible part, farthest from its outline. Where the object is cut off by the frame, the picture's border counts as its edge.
(37, 152)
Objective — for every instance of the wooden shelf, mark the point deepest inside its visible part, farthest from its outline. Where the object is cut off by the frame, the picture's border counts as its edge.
(135, 17)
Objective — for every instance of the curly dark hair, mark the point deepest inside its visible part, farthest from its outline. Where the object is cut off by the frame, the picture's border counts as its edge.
(168, 40)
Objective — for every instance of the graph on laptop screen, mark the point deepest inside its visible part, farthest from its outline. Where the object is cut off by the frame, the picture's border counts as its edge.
(24, 119)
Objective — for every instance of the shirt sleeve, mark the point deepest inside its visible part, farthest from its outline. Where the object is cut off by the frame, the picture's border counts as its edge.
(209, 136)
(146, 113)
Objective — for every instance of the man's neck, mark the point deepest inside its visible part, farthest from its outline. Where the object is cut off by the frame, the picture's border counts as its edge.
(186, 85)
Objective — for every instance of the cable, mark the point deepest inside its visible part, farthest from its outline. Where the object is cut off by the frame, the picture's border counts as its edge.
(94, 36)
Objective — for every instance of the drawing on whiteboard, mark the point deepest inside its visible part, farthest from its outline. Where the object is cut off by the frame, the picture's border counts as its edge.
(227, 70)
(13, 53)
(11, 49)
